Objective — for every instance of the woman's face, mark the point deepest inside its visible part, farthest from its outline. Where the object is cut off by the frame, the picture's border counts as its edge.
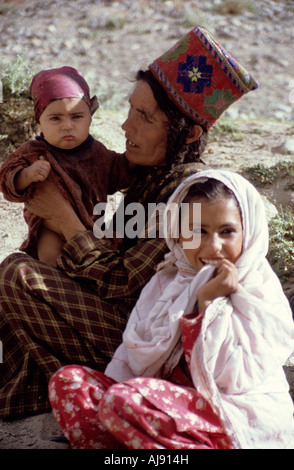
(146, 128)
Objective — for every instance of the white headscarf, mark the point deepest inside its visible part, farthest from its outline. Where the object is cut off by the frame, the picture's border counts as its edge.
(153, 328)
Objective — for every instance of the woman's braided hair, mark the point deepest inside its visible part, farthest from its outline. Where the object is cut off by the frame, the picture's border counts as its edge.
(148, 183)
(177, 151)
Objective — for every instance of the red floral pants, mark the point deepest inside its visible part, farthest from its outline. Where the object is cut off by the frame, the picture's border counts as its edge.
(143, 413)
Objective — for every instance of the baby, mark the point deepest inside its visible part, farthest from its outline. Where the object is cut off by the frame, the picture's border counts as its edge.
(82, 168)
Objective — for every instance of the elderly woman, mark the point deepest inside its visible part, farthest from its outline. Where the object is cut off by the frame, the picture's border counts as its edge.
(76, 313)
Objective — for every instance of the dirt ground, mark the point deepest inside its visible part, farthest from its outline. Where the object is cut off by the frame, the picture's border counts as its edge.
(108, 41)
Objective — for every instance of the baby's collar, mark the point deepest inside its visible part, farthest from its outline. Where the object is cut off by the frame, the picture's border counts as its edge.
(83, 146)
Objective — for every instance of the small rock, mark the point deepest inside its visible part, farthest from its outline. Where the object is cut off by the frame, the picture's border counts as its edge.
(270, 209)
(285, 148)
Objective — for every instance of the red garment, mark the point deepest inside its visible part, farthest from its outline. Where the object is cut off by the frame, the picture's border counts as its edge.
(85, 176)
(201, 77)
(142, 413)
(94, 412)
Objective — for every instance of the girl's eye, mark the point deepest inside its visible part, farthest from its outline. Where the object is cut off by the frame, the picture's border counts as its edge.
(197, 230)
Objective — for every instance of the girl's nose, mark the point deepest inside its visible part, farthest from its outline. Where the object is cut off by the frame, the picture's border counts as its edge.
(214, 243)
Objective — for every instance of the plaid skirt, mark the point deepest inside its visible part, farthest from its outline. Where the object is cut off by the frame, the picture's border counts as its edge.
(48, 320)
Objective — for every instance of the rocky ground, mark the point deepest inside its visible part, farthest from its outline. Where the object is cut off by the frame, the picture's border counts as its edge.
(108, 41)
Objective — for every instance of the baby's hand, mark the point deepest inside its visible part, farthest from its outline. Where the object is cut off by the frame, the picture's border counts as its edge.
(224, 283)
(38, 171)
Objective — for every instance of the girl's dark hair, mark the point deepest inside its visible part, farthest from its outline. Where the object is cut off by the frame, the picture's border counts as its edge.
(179, 124)
(210, 189)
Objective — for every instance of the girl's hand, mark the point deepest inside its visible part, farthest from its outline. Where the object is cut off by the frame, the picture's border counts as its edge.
(224, 283)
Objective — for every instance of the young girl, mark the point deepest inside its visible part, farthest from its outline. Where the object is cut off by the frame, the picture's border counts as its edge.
(201, 362)
(83, 169)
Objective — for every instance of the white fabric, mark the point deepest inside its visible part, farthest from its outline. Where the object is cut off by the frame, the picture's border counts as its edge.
(237, 360)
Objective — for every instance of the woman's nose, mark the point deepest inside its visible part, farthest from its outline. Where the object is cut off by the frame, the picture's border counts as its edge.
(124, 125)
(129, 123)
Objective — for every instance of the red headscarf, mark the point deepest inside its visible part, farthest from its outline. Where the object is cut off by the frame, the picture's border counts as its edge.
(56, 84)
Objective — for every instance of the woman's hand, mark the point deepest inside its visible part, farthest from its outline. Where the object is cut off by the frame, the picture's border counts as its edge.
(224, 283)
(49, 204)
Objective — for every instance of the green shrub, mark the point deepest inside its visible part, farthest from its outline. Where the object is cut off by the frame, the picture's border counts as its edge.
(281, 247)
(16, 76)
(261, 175)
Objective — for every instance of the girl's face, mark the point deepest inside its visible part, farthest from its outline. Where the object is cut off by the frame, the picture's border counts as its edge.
(221, 232)
(65, 123)
(146, 128)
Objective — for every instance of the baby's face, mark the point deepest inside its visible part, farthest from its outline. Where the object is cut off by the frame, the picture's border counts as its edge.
(220, 233)
(65, 123)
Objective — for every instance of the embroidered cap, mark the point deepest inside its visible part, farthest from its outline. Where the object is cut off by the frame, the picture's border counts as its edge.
(55, 84)
(201, 77)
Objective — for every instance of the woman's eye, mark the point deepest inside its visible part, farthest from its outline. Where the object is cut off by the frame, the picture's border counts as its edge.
(148, 120)
(145, 118)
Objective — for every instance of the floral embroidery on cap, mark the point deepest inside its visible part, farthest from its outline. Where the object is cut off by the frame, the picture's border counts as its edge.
(194, 74)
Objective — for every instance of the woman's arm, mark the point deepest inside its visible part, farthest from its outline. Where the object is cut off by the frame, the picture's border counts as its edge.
(114, 275)
(49, 204)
